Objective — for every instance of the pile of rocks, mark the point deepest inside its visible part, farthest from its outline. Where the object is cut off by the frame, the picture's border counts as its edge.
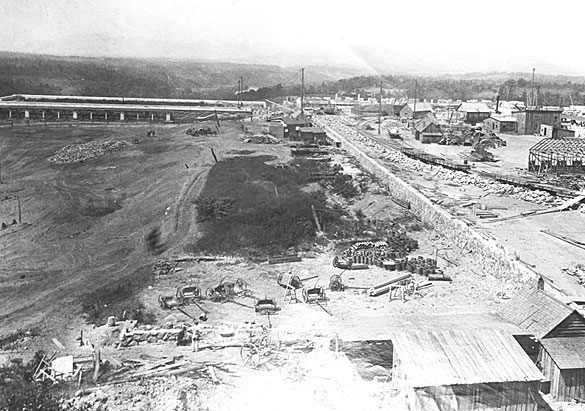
(163, 267)
(132, 335)
(163, 393)
(75, 153)
(438, 172)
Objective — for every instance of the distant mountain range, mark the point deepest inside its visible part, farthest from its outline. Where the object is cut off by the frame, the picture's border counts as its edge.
(342, 60)
(172, 77)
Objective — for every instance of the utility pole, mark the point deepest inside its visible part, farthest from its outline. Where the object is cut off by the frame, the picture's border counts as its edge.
(303, 90)
(532, 91)
(380, 110)
(241, 90)
(414, 107)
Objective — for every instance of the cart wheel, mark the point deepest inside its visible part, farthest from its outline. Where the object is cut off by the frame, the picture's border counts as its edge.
(242, 284)
(305, 296)
(250, 355)
(211, 294)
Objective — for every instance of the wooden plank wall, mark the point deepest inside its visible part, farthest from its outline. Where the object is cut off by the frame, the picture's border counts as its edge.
(573, 326)
(507, 396)
(565, 385)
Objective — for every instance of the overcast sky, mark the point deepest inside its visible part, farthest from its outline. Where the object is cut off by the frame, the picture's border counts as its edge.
(338, 29)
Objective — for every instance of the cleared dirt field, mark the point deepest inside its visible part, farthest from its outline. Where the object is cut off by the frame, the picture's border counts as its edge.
(84, 224)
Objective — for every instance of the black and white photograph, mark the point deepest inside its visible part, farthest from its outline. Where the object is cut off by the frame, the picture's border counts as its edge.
(312, 205)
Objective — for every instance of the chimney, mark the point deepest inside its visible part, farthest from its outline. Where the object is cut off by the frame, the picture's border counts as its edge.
(540, 284)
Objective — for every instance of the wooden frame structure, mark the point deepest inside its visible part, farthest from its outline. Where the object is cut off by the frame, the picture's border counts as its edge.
(562, 155)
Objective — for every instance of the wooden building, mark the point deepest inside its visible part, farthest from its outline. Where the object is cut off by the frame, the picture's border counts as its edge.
(313, 135)
(427, 131)
(373, 110)
(563, 362)
(464, 370)
(416, 110)
(557, 155)
(560, 331)
(530, 119)
(293, 125)
(500, 124)
(474, 113)
(555, 132)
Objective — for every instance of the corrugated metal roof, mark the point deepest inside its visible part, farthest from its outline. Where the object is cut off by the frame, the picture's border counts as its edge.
(474, 108)
(535, 311)
(573, 147)
(462, 357)
(567, 353)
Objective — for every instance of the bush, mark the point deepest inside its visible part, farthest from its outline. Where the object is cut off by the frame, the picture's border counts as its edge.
(210, 208)
(18, 390)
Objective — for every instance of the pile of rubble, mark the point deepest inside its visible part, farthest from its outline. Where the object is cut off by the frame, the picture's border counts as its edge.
(174, 393)
(577, 271)
(163, 267)
(75, 153)
(441, 173)
(131, 335)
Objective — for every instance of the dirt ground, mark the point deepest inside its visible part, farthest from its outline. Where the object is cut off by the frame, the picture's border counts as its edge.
(523, 236)
(83, 233)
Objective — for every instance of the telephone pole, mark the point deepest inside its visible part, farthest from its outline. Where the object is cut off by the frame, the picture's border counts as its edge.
(414, 107)
(241, 90)
(532, 91)
(380, 110)
(303, 90)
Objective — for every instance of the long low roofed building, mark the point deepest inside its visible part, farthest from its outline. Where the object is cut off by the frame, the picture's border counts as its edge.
(464, 370)
(91, 108)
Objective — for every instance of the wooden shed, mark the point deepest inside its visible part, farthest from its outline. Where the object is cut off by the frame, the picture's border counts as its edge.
(557, 155)
(464, 370)
(427, 131)
(560, 331)
(563, 362)
(313, 135)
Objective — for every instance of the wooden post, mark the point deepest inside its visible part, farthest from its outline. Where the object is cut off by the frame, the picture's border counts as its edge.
(213, 154)
(19, 210)
(316, 219)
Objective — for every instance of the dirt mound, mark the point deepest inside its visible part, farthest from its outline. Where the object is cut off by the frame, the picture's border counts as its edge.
(75, 153)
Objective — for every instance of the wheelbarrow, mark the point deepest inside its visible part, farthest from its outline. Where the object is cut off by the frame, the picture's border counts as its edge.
(314, 295)
(188, 294)
(224, 291)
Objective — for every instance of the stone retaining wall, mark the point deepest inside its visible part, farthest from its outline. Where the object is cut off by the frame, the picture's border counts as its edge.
(492, 257)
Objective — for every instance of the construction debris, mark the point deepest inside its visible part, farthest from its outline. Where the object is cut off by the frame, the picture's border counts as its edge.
(75, 153)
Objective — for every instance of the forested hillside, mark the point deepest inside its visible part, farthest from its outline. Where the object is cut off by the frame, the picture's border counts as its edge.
(36, 74)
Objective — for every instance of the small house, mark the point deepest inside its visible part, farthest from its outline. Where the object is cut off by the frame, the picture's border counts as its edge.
(313, 135)
(500, 124)
(474, 113)
(416, 110)
(427, 131)
(293, 125)
(555, 131)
